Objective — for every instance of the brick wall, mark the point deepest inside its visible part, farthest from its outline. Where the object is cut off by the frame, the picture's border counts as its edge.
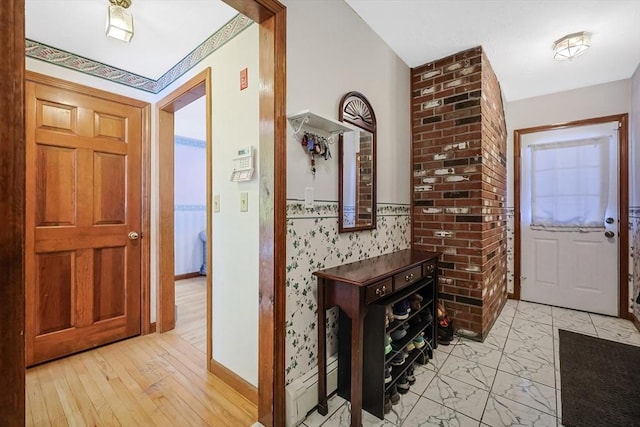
(459, 170)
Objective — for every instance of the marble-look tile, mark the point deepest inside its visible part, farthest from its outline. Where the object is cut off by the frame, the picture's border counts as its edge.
(423, 379)
(342, 418)
(486, 353)
(508, 311)
(575, 325)
(447, 348)
(469, 372)
(612, 323)
(458, 396)
(534, 316)
(529, 350)
(504, 412)
(619, 335)
(513, 303)
(566, 314)
(427, 413)
(543, 373)
(500, 329)
(525, 306)
(314, 419)
(525, 391)
(525, 330)
(439, 357)
(400, 410)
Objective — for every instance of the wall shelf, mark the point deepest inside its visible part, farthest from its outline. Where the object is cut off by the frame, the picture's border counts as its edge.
(306, 121)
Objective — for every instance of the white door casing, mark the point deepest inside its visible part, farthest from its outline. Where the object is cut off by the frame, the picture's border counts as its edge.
(575, 269)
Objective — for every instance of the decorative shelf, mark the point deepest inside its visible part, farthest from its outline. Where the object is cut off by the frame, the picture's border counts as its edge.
(306, 121)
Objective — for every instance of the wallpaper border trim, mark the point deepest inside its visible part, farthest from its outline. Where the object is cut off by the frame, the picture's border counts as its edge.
(191, 142)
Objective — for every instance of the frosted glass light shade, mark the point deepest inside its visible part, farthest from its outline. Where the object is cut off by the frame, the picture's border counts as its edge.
(571, 45)
(119, 24)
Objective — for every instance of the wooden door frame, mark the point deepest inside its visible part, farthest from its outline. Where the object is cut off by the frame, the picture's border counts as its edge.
(623, 202)
(12, 199)
(271, 16)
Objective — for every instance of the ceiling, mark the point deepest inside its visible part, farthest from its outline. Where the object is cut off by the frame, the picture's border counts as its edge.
(516, 35)
(164, 31)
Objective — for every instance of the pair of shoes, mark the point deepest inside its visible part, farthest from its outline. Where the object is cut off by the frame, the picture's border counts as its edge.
(444, 327)
(415, 302)
(410, 347)
(387, 403)
(398, 334)
(394, 396)
(403, 384)
(401, 309)
(388, 311)
(387, 375)
(387, 345)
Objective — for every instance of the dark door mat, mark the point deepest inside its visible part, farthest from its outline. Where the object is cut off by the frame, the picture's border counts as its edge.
(600, 382)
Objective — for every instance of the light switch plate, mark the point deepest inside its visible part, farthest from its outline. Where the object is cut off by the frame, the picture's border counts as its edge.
(216, 203)
(308, 197)
(244, 201)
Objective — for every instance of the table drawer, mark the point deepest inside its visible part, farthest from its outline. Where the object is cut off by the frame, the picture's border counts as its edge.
(429, 268)
(407, 277)
(378, 290)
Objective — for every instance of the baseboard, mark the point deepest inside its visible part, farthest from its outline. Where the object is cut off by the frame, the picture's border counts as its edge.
(635, 320)
(186, 276)
(239, 384)
(152, 328)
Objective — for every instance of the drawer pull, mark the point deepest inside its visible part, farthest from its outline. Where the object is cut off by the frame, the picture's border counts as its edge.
(430, 268)
(408, 277)
(381, 291)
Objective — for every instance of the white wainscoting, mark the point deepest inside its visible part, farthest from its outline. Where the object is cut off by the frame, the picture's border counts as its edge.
(190, 220)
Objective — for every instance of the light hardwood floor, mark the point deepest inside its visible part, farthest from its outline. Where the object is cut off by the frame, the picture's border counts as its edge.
(154, 380)
(191, 323)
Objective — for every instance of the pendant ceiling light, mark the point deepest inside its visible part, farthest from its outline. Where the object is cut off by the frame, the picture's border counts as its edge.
(571, 45)
(119, 21)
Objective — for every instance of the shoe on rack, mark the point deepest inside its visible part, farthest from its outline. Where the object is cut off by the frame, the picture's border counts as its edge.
(387, 403)
(418, 341)
(415, 302)
(398, 334)
(388, 311)
(401, 309)
(387, 345)
(427, 317)
(398, 359)
(410, 347)
(415, 320)
(394, 396)
(403, 384)
(387, 375)
(411, 377)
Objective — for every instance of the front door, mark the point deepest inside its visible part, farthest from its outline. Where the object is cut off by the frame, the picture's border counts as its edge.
(83, 181)
(569, 218)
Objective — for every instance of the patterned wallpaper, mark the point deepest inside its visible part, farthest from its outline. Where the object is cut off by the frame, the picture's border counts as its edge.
(313, 243)
(55, 56)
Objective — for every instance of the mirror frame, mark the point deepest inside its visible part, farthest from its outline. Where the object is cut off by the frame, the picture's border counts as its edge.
(356, 110)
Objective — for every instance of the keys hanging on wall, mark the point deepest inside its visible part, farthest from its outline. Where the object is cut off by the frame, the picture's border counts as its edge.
(316, 145)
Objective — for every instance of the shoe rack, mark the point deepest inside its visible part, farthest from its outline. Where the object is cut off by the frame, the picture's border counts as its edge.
(375, 361)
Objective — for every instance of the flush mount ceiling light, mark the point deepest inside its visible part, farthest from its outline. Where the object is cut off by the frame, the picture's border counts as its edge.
(119, 21)
(571, 45)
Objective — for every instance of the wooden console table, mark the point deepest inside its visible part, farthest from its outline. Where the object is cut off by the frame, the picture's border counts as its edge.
(354, 287)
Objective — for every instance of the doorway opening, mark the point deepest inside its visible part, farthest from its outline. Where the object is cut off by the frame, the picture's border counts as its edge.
(560, 168)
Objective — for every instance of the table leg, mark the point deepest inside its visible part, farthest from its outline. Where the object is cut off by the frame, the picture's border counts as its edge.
(357, 334)
(323, 406)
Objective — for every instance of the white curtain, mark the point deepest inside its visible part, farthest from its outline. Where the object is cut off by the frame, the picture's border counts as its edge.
(569, 184)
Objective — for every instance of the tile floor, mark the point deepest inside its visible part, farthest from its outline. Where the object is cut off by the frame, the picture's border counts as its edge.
(511, 379)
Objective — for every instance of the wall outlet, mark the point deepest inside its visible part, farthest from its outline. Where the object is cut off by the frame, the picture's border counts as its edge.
(308, 197)
(244, 201)
(216, 203)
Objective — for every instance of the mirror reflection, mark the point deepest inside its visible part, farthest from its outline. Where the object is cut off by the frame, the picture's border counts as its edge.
(357, 192)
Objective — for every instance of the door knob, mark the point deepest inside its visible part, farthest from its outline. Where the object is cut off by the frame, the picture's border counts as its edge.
(133, 235)
(609, 234)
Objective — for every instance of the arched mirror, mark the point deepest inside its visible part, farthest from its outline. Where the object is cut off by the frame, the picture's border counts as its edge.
(357, 165)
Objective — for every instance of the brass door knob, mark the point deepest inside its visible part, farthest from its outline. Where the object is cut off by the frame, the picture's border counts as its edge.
(609, 234)
(133, 235)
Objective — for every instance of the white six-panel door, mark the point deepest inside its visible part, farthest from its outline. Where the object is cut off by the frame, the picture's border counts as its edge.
(575, 268)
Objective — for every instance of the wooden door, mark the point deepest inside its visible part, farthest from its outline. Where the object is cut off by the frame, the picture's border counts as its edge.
(83, 180)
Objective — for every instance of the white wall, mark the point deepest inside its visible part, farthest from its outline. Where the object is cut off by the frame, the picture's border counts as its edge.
(331, 51)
